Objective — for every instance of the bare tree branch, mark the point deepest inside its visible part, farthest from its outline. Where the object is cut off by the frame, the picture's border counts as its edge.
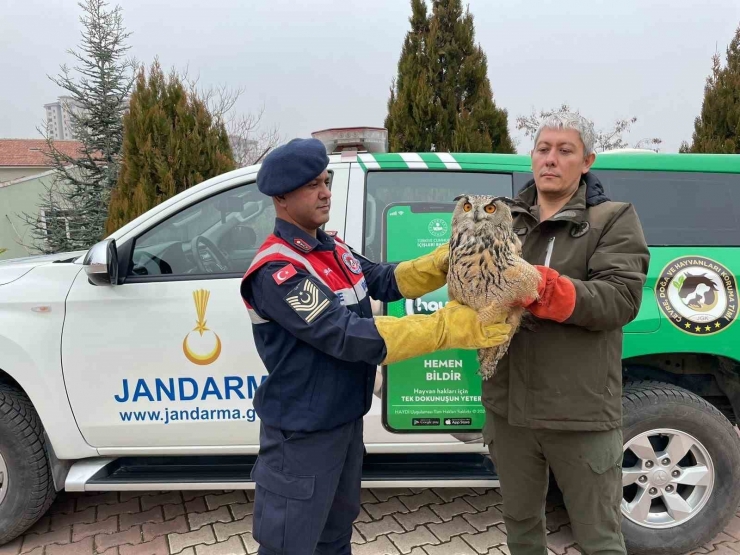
(606, 139)
(249, 139)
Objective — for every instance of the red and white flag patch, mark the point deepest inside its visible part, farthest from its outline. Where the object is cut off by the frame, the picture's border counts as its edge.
(284, 274)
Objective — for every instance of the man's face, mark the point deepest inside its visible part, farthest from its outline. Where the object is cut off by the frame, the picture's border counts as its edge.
(558, 160)
(309, 205)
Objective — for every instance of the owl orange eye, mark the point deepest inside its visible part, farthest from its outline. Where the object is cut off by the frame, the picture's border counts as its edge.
(490, 209)
(467, 207)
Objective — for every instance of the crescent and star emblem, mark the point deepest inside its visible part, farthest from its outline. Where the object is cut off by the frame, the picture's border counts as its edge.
(200, 298)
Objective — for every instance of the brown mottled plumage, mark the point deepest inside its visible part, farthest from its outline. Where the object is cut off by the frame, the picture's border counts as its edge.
(486, 270)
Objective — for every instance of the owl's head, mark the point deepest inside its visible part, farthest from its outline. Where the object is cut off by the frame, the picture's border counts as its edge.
(478, 212)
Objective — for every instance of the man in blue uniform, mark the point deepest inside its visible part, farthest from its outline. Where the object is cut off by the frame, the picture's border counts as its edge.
(308, 296)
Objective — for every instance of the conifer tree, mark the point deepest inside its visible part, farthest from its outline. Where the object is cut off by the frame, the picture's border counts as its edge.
(717, 128)
(74, 207)
(171, 142)
(441, 99)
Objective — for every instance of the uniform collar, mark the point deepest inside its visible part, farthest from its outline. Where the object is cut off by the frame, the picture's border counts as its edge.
(301, 240)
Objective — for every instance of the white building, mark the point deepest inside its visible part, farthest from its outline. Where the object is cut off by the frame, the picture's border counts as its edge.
(58, 120)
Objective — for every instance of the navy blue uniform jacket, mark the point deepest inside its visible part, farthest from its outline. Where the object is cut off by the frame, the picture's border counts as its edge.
(309, 300)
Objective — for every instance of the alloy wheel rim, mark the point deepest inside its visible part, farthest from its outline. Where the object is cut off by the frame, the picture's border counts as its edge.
(4, 481)
(667, 478)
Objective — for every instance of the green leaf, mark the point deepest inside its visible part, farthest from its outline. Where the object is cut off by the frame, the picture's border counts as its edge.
(677, 283)
(2, 250)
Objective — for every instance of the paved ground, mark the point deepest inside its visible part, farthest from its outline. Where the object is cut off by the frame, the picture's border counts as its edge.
(406, 521)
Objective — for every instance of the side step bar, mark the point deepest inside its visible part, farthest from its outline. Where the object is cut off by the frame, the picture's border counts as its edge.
(233, 472)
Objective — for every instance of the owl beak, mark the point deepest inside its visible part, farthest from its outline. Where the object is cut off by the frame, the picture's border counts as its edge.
(478, 216)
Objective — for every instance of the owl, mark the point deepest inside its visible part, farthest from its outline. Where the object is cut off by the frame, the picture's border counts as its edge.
(486, 270)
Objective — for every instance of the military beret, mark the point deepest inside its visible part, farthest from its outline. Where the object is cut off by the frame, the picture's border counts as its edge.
(291, 166)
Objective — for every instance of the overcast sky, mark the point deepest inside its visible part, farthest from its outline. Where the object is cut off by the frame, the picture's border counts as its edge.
(315, 64)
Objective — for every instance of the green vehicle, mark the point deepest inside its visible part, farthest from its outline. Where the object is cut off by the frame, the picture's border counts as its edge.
(111, 381)
(681, 355)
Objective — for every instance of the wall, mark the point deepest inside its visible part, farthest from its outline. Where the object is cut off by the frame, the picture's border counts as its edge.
(9, 173)
(15, 199)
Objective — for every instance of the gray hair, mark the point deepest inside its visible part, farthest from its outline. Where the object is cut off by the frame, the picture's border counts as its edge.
(570, 120)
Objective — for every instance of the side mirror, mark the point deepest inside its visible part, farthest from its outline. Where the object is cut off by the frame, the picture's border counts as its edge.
(101, 263)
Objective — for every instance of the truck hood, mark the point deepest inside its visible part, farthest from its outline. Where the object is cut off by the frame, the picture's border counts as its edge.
(15, 268)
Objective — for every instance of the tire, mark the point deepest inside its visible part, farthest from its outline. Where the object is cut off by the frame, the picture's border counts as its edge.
(27, 488)
(655, 413)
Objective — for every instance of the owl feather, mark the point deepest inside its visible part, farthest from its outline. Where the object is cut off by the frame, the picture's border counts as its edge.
(486, 270)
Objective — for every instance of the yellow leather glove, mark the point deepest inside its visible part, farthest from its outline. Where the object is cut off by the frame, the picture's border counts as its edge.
(454, 326)
(424, 274)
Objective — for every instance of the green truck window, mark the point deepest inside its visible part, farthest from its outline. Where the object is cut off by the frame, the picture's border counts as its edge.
(680, 208)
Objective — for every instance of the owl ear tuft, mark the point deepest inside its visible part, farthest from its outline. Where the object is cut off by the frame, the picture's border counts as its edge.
(506, 200)
(458, 197)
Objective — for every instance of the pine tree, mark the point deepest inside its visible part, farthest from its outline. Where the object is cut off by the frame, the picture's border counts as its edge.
(717, 129)
(75, 206)
(441, 99)
(171, 142)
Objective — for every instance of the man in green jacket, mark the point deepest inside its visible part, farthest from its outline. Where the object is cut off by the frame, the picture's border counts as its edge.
(555, 401)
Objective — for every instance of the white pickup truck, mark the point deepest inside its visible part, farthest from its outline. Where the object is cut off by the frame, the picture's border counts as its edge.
(132, 366)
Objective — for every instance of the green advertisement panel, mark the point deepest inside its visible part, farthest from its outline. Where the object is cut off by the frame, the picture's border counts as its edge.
(439, 392)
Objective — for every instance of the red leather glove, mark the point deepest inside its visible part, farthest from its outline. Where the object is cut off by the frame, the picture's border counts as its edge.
(557, 296)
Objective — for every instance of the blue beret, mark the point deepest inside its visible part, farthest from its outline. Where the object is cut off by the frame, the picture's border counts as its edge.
(291, 166)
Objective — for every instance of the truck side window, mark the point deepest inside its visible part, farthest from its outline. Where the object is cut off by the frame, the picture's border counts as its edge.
(680, 208)
(218, 236)
(386, 187)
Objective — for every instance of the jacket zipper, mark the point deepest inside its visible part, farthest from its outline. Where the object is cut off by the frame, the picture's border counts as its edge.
(550, 246)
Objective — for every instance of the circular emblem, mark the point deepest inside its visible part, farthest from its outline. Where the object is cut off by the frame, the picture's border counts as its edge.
(438, 227)
(351, 263)
(579, 230)
(698, 295)
(660, 478)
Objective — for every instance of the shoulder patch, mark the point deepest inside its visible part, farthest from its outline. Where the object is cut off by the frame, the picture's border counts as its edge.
(307, 300)
(283, 274)
(351, 263)
(302, 245)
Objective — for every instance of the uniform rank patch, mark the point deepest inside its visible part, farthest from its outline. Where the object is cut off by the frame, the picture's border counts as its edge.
(302, 245)
(307, 300)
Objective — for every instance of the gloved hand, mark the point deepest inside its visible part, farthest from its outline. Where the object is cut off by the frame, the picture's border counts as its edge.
(556, 296)
(454, 326)
(424, 274)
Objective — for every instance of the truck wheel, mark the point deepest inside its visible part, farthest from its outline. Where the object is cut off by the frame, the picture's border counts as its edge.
(26, 488)
(680, 471)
